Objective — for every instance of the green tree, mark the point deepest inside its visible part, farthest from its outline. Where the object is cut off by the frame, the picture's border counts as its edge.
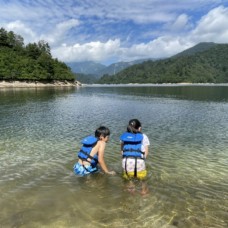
(3, 37)
(30, 62)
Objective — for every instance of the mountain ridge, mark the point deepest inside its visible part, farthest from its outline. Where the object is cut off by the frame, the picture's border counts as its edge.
(203, 63)
(200, 47)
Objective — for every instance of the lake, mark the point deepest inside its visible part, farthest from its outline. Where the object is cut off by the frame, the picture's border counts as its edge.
(40, 134)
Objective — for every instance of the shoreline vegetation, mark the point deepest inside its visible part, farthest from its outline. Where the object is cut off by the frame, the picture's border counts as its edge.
(34, 84)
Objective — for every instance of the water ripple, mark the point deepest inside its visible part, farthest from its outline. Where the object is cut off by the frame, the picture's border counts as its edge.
(187, 164)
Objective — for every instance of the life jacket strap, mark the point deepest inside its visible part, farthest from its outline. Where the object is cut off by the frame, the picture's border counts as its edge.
(135, 170)
(88, 155)
(95, 170)
(126, 150)
(126, 166)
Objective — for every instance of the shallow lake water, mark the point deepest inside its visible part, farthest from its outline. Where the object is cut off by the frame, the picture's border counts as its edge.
(40, 133)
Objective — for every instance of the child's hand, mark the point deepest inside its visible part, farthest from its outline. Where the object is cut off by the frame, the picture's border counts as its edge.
(111, 172)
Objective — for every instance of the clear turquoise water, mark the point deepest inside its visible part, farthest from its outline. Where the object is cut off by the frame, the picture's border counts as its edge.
(40, 133)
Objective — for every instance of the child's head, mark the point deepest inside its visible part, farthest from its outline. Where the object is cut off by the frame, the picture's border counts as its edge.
(102, 131)
(134, 126)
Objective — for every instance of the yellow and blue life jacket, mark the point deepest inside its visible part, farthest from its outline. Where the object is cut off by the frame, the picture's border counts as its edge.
(132, 148)
(132, 145)
(84, 154)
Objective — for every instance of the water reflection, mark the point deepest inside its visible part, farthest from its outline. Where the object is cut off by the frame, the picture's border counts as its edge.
(189, 92)
(21, 95)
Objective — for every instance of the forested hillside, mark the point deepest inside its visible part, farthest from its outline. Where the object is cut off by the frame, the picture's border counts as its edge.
(30, 62)
(209, 66)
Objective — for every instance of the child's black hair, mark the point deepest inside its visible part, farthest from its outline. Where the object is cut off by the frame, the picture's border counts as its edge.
(133, 126)
(102, 131)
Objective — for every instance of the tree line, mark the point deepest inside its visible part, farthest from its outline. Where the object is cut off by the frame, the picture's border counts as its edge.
(29, 62)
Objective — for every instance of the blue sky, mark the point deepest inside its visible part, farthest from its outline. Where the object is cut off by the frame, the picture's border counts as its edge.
(108, 31)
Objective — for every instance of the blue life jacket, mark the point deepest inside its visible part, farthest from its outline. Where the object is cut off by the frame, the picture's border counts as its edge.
(88, 143)
(132, 144)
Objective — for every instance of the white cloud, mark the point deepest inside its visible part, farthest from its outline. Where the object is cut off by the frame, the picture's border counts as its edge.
(124, 10)
(99, 52)
(58, 33)
(142, 11)
(159, 48)
(20, 28)
(180, 23)
(95, 51)
(53, 37)
(64, 26)
(212, 27)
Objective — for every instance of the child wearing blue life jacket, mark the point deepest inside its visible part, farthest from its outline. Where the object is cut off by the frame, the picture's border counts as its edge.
(92, 153)
(134, 149)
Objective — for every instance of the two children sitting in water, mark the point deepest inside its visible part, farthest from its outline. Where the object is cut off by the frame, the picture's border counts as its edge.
(134, 149)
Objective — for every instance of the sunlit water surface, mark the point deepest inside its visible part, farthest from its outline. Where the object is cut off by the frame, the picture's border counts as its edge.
(40, 133)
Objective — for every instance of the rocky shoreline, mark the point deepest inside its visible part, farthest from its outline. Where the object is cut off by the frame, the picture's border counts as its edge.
(31, 84)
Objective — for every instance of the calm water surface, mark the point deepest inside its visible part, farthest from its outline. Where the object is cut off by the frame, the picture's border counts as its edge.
(40, 133)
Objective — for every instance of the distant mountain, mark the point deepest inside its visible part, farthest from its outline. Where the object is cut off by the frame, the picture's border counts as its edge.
(88, 67)
(89, 72)
(119, 66)
(204, 63)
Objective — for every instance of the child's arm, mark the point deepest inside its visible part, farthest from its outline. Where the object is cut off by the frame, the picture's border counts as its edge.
(146, 151)
(146, 144)
(101, 160)
(121, 146)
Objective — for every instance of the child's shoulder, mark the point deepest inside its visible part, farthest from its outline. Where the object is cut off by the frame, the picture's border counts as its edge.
(100, 142)
(146, 139)
(144, 135)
